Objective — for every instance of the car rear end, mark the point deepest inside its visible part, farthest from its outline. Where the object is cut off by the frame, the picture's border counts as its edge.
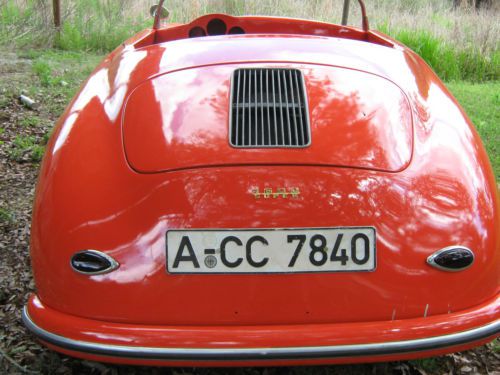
(272, 199)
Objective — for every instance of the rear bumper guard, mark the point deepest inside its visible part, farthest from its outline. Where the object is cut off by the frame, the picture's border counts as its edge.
(274, 353)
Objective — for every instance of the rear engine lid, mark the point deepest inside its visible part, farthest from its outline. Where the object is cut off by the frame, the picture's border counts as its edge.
(258, 115)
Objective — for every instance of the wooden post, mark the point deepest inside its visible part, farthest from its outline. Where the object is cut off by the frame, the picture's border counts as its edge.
(345, 12)
(56, 8)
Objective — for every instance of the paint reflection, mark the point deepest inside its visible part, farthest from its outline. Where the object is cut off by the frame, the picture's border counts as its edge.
(109, 86)
(357, 120)
(443, 197)
(354, 110)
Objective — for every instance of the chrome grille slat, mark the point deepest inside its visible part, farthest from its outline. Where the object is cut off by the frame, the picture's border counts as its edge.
(282, 129)
(236, 110)
(287, 109)
(294, 116)
(244, 115)
(300, 108)
(268, 110)
(262, 111)
(256, 104)
(255, 93)
(249, 109)
(275, 124)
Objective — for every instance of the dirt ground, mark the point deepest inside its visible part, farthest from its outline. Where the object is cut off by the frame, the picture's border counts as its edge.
(19, 351)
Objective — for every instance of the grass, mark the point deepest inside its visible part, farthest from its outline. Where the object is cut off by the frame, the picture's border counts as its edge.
(495, 345)
(89, 25)
(26, 146)
(30, 121)
(60, 73)
(6, 216)
(429, 365)
(457, 43)
(55, 77)
(482, 104)
(43, 71)
(449, 62)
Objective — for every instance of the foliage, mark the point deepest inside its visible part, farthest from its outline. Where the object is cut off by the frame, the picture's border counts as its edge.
(43, 71)
(5, 215)
(102, 26)
(456, 43)
(482, 104)
(447, 61)
(87, 25)
(30, 121)
(429, 365)
(26, 145)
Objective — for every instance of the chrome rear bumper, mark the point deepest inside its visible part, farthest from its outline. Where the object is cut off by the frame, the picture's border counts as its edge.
(275, 353)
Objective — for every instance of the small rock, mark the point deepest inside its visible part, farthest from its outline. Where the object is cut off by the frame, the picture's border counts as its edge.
(27, 101)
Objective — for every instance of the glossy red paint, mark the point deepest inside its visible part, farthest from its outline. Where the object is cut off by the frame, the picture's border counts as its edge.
(117, 175)
(265, 336)
(262, 25)
(362, 120)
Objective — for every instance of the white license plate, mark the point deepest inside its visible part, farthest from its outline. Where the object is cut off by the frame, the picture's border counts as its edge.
(271, 250)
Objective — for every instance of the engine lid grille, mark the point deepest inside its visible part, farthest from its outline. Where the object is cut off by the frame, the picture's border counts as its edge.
(269, 109)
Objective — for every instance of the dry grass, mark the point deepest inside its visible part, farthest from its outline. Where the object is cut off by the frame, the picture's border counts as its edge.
(457, 27)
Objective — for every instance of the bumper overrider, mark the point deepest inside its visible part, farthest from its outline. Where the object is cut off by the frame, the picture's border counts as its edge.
(250, 345)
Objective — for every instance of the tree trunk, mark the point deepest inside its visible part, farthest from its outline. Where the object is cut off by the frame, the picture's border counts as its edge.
(56, 8)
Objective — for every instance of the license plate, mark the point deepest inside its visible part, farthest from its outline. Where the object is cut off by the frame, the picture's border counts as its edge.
(271, 250)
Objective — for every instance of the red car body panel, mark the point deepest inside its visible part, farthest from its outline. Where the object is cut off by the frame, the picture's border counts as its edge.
(266, 336)
(371, 117)
(402, 157)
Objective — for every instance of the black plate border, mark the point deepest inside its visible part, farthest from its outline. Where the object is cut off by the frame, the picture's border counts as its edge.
(268, 229)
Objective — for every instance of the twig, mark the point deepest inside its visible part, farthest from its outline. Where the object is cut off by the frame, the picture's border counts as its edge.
(23, 34)
(13, 362)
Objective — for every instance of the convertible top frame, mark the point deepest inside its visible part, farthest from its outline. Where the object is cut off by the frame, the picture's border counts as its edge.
(345, 13)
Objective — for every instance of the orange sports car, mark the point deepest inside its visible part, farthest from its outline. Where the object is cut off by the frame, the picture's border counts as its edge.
(251, 190)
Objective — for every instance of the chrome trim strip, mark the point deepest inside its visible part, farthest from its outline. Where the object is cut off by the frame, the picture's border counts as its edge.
(431, 258)
(237, 354)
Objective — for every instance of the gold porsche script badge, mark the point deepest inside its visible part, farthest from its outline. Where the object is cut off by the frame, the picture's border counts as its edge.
(267, 193)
